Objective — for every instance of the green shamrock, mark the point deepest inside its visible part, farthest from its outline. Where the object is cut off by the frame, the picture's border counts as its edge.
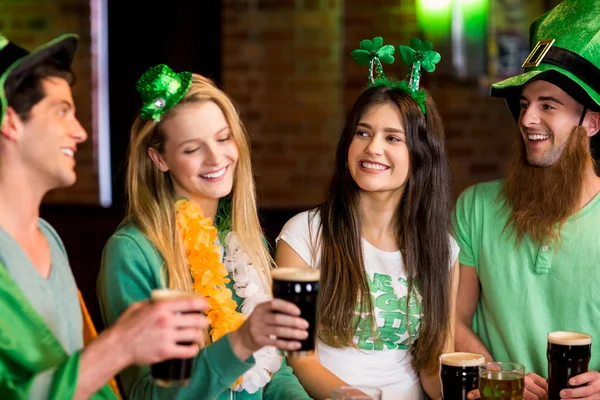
(370, 49)
(421, 54)
(372, 52)
(418, 54)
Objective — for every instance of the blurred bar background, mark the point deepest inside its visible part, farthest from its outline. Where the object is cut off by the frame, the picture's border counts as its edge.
(287, 66)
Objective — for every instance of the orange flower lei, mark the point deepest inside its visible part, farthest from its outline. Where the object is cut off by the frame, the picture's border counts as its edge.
(208, 272)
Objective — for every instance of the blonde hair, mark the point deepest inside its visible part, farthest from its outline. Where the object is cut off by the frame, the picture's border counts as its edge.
(151, 195)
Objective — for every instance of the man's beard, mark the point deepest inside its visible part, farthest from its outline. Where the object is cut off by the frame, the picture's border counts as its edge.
(541, 199)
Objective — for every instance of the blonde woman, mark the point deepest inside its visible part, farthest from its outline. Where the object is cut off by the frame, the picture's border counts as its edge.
(192, 225)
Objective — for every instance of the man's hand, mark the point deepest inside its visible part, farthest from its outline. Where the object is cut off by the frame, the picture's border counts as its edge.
(536, 387)
(589, 391)
(150, 332)
(145, 333)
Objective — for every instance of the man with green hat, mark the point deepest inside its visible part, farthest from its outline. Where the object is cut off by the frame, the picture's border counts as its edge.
(42, 353)
(530, 243)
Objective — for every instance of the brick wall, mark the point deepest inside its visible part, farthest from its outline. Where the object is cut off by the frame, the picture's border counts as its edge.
(282, 66)
(286, 63)
(30, 23)
(287, 66)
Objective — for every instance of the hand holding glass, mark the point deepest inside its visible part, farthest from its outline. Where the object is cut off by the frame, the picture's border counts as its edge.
(459, 374)
(568, 355)
(299, 286)
(173, 372)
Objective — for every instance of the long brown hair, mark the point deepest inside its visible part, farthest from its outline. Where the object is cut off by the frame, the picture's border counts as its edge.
(151, 195)
(422, 231)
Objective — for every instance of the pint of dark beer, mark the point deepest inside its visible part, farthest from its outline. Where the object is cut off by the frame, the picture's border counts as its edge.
(174, 372)
(301, 287)
(501, 381)
(568, 354)
(459, 374)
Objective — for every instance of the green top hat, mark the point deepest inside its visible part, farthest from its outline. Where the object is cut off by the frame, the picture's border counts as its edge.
(565, 46)
(16, 63)
(160, 88)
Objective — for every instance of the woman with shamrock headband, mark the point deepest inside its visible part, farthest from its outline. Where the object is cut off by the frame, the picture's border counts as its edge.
(192, 225)
(381, 241)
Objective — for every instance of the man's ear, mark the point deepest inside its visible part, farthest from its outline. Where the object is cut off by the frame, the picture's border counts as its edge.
(158, 160)
(592, 123)
(12, 124)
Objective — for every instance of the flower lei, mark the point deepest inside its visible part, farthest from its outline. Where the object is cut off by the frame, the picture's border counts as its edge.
(208, 273)
(210, 277)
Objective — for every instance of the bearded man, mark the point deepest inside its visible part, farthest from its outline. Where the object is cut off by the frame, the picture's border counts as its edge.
(530, 243)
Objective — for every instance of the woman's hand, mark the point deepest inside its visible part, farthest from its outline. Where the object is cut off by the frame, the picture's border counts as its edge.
(272, 323)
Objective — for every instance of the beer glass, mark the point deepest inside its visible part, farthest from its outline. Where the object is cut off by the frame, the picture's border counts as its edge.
(356, 393)
(173, 372)
(568, 355)
(459, 374)
(301, 287)
(501, 381)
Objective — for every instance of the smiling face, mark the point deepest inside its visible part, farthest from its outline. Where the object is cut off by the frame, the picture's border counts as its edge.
(51, 135)
(548, 116)
(199, 152)
(378, 157)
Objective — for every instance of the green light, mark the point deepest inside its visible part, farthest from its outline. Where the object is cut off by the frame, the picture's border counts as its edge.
(475, 14)
(434, 17)
(470, 2)
(436, 5)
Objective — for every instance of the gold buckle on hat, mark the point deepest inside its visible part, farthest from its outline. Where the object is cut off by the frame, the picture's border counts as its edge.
(537, 54)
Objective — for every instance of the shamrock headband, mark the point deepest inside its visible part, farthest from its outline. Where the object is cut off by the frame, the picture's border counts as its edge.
(160, 89)
(418, 55)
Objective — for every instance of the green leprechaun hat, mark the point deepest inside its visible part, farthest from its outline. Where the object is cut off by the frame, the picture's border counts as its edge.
(16, 63)
(160, 88)
(565, 51)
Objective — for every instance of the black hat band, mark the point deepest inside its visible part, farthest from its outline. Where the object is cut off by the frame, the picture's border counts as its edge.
(574, 63)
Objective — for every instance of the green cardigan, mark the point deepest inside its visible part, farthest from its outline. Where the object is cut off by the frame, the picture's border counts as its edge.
(28, 347)
(131, 269)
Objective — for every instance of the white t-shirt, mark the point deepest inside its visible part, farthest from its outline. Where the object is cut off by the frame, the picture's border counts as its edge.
(385, 363)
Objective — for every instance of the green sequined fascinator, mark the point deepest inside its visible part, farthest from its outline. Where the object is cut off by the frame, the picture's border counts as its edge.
(418, 55)
(160, 89)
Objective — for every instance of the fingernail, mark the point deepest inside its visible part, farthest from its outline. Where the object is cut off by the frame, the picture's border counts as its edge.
(470, 396)
(563, 393)
(573, 381)
(297, 345)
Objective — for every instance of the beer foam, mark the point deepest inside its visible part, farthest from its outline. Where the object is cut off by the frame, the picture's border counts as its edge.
(569, 338)
(169, 294)
(296, 274)
(462, 359)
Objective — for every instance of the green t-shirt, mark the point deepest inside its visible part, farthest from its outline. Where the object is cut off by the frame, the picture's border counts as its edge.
(41, 334)
(533, 289)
